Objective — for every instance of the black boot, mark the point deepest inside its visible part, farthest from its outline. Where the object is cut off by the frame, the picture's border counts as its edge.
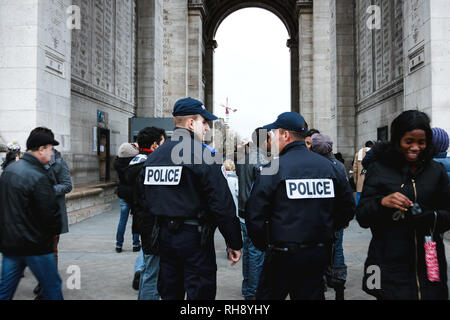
(339, 293)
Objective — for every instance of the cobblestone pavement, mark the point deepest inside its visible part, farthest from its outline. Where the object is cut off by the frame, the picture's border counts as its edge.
(107, 275)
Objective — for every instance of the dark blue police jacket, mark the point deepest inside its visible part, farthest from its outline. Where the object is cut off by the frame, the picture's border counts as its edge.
(179, 183)
(304, 202)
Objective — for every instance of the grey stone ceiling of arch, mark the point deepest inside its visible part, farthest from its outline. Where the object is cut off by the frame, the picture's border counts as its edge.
(217, 10)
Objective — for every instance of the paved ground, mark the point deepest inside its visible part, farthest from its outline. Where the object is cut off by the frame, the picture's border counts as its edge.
(107, 275)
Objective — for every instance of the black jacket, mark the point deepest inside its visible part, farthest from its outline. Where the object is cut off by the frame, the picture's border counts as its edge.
(132, 177)
(305, 221)
(397, 247)
(201, 188)
(123, 189)
(29, 213)
(247, 170)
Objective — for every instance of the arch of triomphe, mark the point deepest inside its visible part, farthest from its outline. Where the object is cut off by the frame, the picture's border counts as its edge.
(355, 65)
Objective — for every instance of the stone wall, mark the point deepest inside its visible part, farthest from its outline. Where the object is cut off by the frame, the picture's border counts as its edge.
(103, 78)
(35, 69)
(345, 44)
(379, 62)
(175, 53)
(150, 58)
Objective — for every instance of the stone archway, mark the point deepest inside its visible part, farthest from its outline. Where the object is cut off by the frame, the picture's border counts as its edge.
(217, 11)
(175, 57)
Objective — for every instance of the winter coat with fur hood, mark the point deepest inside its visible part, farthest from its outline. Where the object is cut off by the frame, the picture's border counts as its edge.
(397, 247)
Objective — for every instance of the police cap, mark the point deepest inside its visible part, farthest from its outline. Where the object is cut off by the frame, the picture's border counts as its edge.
(291, 121)
(189, 106)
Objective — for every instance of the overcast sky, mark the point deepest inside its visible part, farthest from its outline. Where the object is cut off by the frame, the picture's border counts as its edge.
(252, 69)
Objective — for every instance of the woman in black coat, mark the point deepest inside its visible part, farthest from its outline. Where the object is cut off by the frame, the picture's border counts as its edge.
(399, 174)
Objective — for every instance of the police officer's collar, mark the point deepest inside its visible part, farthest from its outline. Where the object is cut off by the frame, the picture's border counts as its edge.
(293, 145)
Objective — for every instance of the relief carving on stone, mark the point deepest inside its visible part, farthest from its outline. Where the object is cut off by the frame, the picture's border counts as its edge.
(103, 50)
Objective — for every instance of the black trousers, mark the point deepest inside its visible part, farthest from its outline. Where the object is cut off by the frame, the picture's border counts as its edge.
(299, 274)
(185, 267)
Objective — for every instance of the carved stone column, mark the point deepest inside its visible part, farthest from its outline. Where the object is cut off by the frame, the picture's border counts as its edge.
(195, 42)
(150, 58)
(175, 53)
(305, 35)
(211, 45)
(324, 55)
(293, 47)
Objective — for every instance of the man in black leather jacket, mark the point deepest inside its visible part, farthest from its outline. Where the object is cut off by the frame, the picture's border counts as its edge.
(29, 220)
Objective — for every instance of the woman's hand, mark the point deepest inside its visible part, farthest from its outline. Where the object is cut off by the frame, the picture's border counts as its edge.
(397, 201)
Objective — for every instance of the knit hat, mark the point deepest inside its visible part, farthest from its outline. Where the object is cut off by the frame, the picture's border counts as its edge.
(321, 144)
(14, 146)
(128, 150)
(440, 140)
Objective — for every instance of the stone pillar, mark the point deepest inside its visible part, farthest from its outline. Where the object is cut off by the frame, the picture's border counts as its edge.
(209, 74)
(427, 55)
(195, 62)
(295, 81)
(324, 71)
(35, 71)
(305, 34)
(175, 53)
(345, 43)
(149, 58)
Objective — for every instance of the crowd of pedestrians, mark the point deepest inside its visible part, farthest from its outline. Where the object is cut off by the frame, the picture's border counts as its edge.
(286, 225)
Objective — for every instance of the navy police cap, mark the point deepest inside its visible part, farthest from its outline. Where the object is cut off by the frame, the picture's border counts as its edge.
(291, 121)
(189, 106)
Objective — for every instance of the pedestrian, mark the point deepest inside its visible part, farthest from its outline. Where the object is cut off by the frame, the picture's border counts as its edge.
(233, 184)
(405, 200)
(308, 137)
(29, 220)
(127, 151)
(359, 172)
(13, 154)
(340, 158)
(247, 171)
(292, 215)
(188, 197)
(146, 268)
(441, 144)
(336, 274)
(62, 184)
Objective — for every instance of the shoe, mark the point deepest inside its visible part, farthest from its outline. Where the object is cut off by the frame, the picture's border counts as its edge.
(136, 280)
(37, 290)
(339, 293)
(137, 249)
(118, 250)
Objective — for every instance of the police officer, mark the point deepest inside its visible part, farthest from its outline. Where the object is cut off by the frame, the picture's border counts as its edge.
(189, 198)
(291, 215)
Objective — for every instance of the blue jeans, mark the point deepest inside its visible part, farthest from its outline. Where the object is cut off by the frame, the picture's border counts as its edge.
(148, 285)
(124, 213)
(139, 264)
(44, 269)
(252, 264)
(337, 273)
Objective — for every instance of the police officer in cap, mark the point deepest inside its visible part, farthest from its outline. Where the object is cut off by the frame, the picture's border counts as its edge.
(293, 213)
(186, 199)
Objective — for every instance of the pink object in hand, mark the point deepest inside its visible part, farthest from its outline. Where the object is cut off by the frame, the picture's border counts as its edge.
(432, 261)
